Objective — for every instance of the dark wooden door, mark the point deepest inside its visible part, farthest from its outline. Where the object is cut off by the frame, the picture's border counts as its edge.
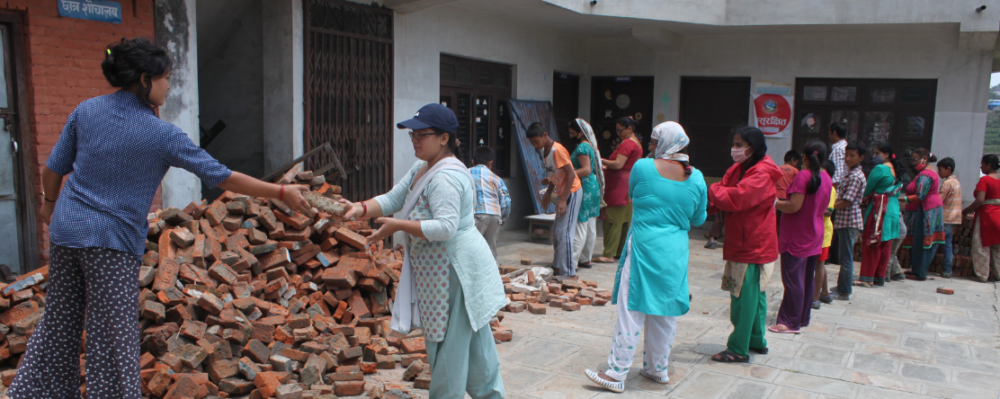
(710, 108)
(617, 97)
(898, 111)
(478, 92)
(565, 104)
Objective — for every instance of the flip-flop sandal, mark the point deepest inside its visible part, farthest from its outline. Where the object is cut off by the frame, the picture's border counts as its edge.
(862, 284)
(787, 330)
(730, 357)
(613, 386)
(762, 351)
(660, 380)
(587, 265)
(603, 259)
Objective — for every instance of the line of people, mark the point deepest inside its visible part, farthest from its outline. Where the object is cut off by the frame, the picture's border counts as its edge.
(816, 195)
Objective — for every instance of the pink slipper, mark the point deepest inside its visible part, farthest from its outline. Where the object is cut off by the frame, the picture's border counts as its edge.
(787, 330)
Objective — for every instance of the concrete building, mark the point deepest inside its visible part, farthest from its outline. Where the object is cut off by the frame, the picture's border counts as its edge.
(260, 82)
(915, 74)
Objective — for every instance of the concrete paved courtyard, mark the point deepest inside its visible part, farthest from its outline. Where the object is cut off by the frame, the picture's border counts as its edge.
(898, 341)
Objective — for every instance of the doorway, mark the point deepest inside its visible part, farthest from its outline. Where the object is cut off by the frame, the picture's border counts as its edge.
(709, 110)
(565, 104)
(897, 111)
(478, 91)
(17, 208)
(348, 91)
(617, 97)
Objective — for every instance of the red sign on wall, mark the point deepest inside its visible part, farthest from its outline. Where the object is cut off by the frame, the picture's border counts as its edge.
(773, 114)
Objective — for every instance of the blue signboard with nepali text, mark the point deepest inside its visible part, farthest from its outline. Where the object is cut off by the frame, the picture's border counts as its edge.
(94, 10)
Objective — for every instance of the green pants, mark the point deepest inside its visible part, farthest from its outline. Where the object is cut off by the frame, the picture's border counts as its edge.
(615, 226)
(466, 361)
(748, 313)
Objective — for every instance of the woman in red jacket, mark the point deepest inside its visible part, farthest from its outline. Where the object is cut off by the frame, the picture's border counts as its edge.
(747, 195)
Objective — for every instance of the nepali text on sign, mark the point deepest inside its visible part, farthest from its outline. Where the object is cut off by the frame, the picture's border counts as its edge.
(94, 10)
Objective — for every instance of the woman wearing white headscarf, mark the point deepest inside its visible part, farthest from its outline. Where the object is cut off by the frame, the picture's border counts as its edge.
(668, 197)
(586, 160)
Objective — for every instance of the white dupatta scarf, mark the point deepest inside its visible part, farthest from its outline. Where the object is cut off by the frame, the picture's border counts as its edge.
(405, 312)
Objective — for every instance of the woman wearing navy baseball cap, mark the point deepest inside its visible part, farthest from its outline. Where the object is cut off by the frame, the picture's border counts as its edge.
(449, 285)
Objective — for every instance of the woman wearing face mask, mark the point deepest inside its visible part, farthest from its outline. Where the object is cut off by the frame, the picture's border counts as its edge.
(118, 152)
(924, 215)
(747, 196)
(986, 228)
(618, 213)
(586, 160)
(881, 215)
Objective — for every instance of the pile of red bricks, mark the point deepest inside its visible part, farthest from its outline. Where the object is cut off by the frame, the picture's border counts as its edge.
(563, 293)
(243, 296)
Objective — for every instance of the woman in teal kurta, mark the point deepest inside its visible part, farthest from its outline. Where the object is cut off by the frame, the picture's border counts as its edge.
(449, 284)
(651, 286)
(881, 216)
(587, 164)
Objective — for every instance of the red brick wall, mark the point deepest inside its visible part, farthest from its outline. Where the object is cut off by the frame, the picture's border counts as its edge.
(63, 58)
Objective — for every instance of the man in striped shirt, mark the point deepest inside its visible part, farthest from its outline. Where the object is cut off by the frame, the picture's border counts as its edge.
(492, 198)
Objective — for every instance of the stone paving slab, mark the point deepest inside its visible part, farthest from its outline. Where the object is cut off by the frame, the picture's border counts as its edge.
(899, 341)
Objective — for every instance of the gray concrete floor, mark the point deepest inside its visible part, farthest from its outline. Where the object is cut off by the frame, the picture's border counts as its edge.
(898, 341)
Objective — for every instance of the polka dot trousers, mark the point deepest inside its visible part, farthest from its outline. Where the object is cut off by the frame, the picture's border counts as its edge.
(103, 283)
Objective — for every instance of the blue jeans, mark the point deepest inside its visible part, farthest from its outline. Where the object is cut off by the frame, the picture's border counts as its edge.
(845, 250)
(949, 254)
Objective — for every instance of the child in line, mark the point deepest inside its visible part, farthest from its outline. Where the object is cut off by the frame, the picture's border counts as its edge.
(951, 195)
(822, 294)
(563, 182)
(492, 198)
(848, 224)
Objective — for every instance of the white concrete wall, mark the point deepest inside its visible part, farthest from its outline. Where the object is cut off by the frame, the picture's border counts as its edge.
(420, 39)
(798, 12)
(230, 71)
(963, 75)
(284, 117)
(176, 30)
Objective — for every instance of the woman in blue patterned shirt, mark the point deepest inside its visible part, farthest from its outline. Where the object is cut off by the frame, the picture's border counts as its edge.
(118, 152)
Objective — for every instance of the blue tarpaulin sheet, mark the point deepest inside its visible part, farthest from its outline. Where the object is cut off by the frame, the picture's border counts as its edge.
(525, 113)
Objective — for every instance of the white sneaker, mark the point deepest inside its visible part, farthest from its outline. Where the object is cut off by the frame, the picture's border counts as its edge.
(661, 380)
(613, 386)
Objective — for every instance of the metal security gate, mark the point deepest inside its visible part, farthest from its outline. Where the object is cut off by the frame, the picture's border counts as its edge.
(348, 91)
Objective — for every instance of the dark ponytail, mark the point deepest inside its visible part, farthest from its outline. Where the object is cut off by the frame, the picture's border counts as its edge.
(897, 164)
(993, 161)
(815, 152)
(628, 122)
(127, 61)
(925, 153)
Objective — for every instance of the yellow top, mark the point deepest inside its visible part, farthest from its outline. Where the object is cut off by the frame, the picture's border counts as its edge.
(827, 223)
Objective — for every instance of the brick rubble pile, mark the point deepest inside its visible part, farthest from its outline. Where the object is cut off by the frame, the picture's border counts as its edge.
(245, 298)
